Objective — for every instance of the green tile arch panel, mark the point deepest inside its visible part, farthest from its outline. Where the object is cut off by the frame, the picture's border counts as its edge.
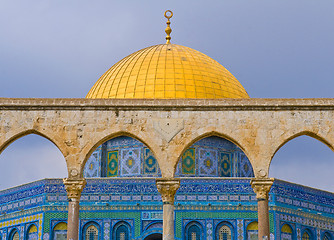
(51, 215)
(179, 216)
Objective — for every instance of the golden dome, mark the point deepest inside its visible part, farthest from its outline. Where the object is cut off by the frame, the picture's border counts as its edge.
(167, 71)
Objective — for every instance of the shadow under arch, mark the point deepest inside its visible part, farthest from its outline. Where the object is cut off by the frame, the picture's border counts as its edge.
(29, 132)
(153, 236)
(223, 138)
(121, 154)
(110, 137)
(302, 133)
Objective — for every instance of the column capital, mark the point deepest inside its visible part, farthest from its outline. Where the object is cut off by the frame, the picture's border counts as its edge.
(167, 187)
(74, 187)
(262, 187)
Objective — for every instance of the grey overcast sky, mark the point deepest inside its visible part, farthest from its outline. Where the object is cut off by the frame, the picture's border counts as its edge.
(276, 49)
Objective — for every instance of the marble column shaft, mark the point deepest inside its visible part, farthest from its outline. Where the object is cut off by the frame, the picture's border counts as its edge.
(262, 187)
(74, 188)
(167, 189)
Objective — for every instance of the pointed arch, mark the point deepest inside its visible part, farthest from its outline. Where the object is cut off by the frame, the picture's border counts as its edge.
(32, 232)
(224, 231)
(194, 231)
(59, 231)
(108, 137)
(123, 155)
(213, 155)
(252, 231)
(30, 156)
(21, 134)
(287, 232)
(91, 231)
(301, 133)
(307, 234)
(122, 230)
(14, 234)
(209, 134)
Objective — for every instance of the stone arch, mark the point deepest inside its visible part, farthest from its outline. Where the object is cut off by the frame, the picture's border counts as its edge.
(35, 154)
(205, 135)
(296, 135)
(93, 147)
(302, 133)
(215, 154)
(21, 134)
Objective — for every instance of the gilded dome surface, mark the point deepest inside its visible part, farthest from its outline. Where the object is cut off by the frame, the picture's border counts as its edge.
(167, 71)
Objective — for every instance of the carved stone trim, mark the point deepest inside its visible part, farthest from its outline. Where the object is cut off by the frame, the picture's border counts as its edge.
(74, 187)
(167, 187)
(262, 187)
(168, 128)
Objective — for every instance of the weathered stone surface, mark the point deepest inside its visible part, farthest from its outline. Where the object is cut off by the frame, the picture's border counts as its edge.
(77, 126)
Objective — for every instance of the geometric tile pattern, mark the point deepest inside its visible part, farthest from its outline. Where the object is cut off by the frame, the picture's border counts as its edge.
(188, 161)
(130, 161)
(122, 157)
(112, 164)
(240, 229)
(107, 200)
(93, 165)
(150, 164)
(225, 164)
(106, 228)
(26, 219)
(209, 229)
(207, 161)
(214, 157)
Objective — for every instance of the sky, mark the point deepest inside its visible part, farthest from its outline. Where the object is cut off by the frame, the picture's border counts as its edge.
(58, 49)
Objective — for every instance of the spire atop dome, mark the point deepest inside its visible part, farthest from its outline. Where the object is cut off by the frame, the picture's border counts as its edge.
(168, 30)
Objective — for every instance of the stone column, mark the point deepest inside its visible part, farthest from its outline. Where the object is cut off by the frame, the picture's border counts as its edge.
(262, 187)
(167, 188)
(74, 188)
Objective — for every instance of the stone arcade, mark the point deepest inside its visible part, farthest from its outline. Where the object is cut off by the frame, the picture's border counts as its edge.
(166, 142)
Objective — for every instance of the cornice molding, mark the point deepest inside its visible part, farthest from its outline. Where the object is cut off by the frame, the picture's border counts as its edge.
(252, 104)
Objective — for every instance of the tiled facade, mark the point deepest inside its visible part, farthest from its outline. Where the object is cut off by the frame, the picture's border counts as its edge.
(121, 200)
(107, 202)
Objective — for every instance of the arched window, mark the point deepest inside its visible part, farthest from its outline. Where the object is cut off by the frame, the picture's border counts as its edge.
(122, 231)
(32, 232)
(286, 232)
(224, 233)
(326, 237)
(14, 235)
(193, 231)
(91, 233)
(306, 235)
(60, 231)
(252, 231)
